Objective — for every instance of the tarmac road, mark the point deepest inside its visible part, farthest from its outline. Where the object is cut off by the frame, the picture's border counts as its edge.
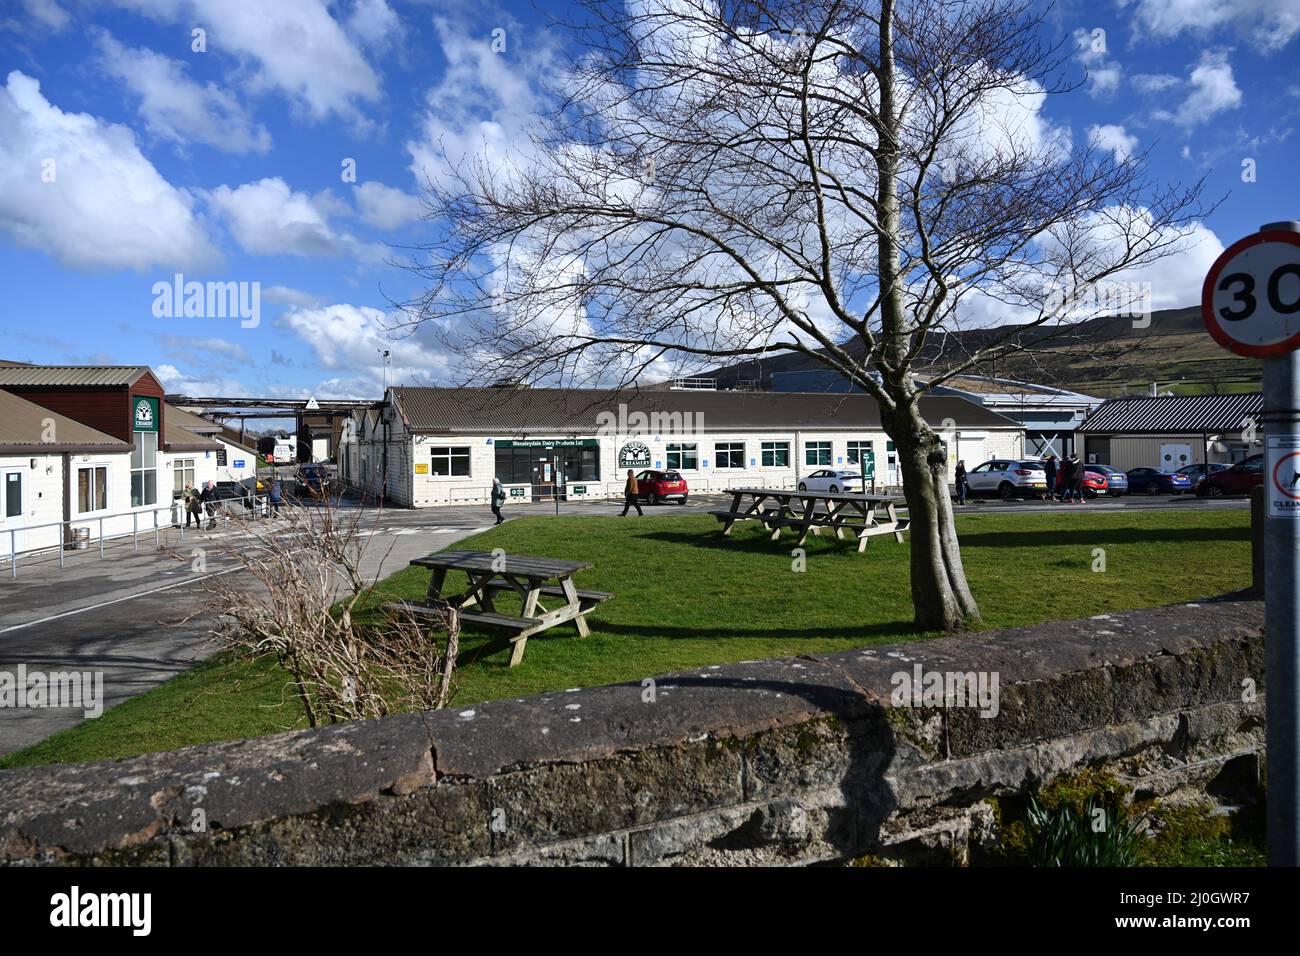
(137, 616)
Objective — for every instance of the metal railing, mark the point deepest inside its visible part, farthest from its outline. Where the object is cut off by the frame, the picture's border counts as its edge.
(256, 504)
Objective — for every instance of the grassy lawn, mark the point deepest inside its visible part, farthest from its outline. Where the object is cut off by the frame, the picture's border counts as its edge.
(687, 597)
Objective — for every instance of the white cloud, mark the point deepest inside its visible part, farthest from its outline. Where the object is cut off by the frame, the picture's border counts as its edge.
(374, 23)
(1268, 24)
(1114, 139)
(1149, 83)
(107, 208)
(1104, 75)
(177, 108)
(47, 13)
(385, 207)
(284, 295)
(293, 46)
(174, 381)
(269, 218)
(1212, 90)
(351, 337)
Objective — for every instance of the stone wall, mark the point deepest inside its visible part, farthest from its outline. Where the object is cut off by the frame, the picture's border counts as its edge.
(796, 760)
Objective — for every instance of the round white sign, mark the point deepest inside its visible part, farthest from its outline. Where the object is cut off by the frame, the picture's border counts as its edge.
(1251, 298)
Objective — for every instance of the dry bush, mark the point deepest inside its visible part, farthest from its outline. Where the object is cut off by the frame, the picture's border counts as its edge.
(297, 592)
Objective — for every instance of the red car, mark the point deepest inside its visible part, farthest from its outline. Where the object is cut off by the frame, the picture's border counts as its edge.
(657, 486)
(1094, 483)
(1237, 480)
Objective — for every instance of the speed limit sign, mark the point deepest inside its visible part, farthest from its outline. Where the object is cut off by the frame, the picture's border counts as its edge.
(1251, 298)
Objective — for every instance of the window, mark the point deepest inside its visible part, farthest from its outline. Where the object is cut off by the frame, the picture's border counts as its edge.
(682, 456)
(450, 460)
(776, 454)
(860, 451)
(144, 469)
(729, 454)
(183, 473)
(817, 453)
(92, 489)
(13, 494)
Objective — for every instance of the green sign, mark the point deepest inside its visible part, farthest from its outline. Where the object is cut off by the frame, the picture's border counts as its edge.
(517, 492)
(144, 414)
(547, 443)
(579, 489)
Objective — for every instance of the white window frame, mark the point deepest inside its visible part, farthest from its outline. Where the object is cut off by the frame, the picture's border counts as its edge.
(771, 448)
(817, 447)
(731, 447)
(92, 467)
(680, 449)
(453, 452)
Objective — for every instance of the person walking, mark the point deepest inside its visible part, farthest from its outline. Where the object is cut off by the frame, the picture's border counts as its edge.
(1078, 479)
(193, 510)
(963, 487)
(1049, 465)
(630, 492)
(498, 498)
(208, 502)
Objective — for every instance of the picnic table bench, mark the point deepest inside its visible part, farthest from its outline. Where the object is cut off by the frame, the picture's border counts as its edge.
(778, 508)
(492, 573)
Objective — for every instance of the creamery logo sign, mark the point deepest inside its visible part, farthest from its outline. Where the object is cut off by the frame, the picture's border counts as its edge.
(634, 454)
(144, 420)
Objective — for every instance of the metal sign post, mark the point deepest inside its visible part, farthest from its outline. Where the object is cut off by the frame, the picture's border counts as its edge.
(1251, 306)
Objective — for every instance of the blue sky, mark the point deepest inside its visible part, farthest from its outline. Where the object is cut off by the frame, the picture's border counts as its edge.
(227, 163)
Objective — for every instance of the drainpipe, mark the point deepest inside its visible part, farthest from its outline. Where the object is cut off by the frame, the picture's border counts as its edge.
(67, 499)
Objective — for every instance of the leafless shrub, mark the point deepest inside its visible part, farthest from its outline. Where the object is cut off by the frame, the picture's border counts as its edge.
(297, 591)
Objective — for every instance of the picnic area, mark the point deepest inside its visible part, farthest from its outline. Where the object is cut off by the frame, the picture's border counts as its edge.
(685, 596)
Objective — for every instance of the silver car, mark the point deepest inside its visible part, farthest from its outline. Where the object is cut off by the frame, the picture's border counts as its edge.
(1008, 478)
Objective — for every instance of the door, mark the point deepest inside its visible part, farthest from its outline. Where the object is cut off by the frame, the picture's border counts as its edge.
(971, 451)
(984, 477)
(1173, 457)
(12, 511)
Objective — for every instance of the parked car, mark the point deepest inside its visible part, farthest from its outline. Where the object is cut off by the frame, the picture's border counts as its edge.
(1008, 477)
(657, 486)
(1116, 480)
(1237, 480)
(313, 481)
(1095, 484)
(834, 480)
(1153, 481)
(1199, 471)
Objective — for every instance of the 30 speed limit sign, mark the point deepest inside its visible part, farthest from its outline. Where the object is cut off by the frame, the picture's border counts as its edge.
(1251, 298)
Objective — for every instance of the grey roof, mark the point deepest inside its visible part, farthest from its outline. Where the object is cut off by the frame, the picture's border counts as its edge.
(191, 422)
(71, 375)
(1175, 414)
(575, 411)
(23, 426)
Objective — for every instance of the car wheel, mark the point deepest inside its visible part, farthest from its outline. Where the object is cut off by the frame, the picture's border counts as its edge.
(1006, 490)
(802, 486)
(683, 499)
(651, 499)
(1153, 488)
(1214, 491)
(834, 490)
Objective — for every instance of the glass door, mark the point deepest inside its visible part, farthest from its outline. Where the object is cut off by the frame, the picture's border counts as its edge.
(11, 511)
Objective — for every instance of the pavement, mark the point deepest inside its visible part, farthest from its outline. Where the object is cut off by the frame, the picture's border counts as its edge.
(138, 615)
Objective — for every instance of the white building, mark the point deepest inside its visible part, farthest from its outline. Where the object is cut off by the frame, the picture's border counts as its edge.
(440, 446)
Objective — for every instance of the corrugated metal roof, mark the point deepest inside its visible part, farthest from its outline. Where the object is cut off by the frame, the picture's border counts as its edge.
(71, 375)
(24, 426)
(575, 411)
(191, 422)
(1175, 414)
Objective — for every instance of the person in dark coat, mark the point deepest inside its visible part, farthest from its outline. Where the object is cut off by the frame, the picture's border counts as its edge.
(498, 498)
(208, 500)
(630, 491)
(963, 487)
(1049, 465)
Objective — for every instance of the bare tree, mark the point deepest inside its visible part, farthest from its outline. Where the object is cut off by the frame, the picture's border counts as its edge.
(841, 178)
(297, 592)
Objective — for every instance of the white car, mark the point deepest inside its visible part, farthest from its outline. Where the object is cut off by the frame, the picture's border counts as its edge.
(832, 480)
(1008, 478)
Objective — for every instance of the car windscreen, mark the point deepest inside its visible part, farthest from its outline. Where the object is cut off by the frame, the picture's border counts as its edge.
(671, 476)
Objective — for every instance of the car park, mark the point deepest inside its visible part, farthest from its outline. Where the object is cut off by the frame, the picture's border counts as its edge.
(1237, 480)
(1008, 478)
(657, 486)
(1116, 480)
(833, 480)
(1153, 481)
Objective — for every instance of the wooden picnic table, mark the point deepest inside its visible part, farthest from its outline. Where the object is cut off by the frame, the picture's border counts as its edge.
(779, 508)
(491, 573)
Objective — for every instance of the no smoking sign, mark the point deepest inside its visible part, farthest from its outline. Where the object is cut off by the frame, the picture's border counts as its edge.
(1283, 478)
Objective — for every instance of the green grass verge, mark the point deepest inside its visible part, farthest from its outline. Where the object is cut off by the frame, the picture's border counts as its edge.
(686, 597)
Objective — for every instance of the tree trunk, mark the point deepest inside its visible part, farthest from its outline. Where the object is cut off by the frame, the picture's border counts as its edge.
(940, 595)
